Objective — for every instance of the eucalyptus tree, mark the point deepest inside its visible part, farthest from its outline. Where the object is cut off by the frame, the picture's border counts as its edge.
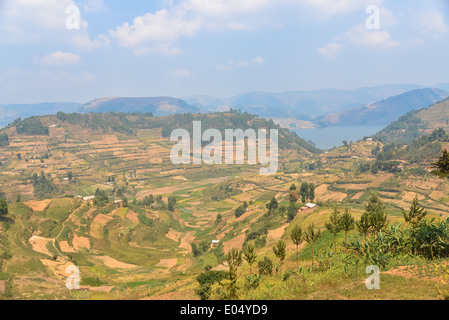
(250, 256)
(334, 226)
(280, 252)
(297, 238)
(347, 224)
(312, 234)
(234, 260)
(415, 214)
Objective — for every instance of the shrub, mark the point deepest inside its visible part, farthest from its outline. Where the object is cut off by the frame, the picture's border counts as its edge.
(265, 266)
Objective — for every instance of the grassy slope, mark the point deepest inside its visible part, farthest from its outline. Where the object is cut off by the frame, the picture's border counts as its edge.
(124, 239)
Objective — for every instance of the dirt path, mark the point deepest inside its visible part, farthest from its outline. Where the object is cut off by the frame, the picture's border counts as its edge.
(62, 229)
(39, 245)
(186, 240)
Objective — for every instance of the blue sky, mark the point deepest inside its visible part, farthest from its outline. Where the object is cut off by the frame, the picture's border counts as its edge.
(215, 47)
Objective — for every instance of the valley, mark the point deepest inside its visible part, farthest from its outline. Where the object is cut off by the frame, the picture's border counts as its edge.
(99, 191)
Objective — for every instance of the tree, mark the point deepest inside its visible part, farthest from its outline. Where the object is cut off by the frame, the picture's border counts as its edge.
(311, 194)
(239, 211)
(442, 165)
(364, 225)
(171, 203)
(265, 266)
(125, 202)
(279, 251)
(272, 205)
(304, 191)
(19, 198)
(250, 256)
(415, 214)
(293, 187)
(377, 215)
(312, 234)
(70, 175)
(101, 198)
(296, 236)
(294, 197)
(347, 224)
(291, 212)
(307, 192)
(234, 260)
(334, 226)
(3, 208)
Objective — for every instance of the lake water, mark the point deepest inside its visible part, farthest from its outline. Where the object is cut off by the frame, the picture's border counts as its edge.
(327, 138)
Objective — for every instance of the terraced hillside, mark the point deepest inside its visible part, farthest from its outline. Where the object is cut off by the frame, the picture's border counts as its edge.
(99, 192)
(417, 123)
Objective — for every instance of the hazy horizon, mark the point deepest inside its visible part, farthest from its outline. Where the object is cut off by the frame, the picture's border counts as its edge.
(221, 49)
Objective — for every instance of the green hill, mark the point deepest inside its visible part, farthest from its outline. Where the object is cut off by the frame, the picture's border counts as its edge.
(414, 124)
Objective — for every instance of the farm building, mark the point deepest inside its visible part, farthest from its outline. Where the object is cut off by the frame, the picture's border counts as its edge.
(215, 243)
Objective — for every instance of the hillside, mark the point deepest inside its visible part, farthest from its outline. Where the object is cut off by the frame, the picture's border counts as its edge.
(415, 124)
(146, 232)
(159, 106)
(385, 111)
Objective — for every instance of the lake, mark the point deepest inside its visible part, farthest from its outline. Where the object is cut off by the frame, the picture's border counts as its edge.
(327, 138)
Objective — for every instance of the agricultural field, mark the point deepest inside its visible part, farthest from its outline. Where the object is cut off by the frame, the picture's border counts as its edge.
(100, 200)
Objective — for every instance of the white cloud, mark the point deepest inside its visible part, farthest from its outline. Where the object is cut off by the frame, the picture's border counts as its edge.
(331, 50)
(59, 58)
(154, 30)
(182, 73)
(188, 17)
(26, 21)
(257, 61)
(224, 8)
(333, 7)
(360, 35)
(44, 21)
(94, 5)
(432, 22)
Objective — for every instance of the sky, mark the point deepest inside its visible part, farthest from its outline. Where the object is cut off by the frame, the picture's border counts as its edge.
(137, 48)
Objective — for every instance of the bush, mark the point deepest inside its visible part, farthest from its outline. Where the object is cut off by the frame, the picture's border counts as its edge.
(265, 266)
(252, 281)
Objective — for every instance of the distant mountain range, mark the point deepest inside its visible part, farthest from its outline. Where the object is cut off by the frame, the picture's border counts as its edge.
(303, 105)
(10, 112)
(386, 111)
(321, 106)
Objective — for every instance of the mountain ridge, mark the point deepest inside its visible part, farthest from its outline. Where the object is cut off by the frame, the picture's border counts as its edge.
(385, 111)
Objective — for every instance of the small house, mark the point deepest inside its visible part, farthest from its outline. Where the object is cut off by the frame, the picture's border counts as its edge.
(118, 203)
(311, 205)
(89, 198)
(215, 243)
